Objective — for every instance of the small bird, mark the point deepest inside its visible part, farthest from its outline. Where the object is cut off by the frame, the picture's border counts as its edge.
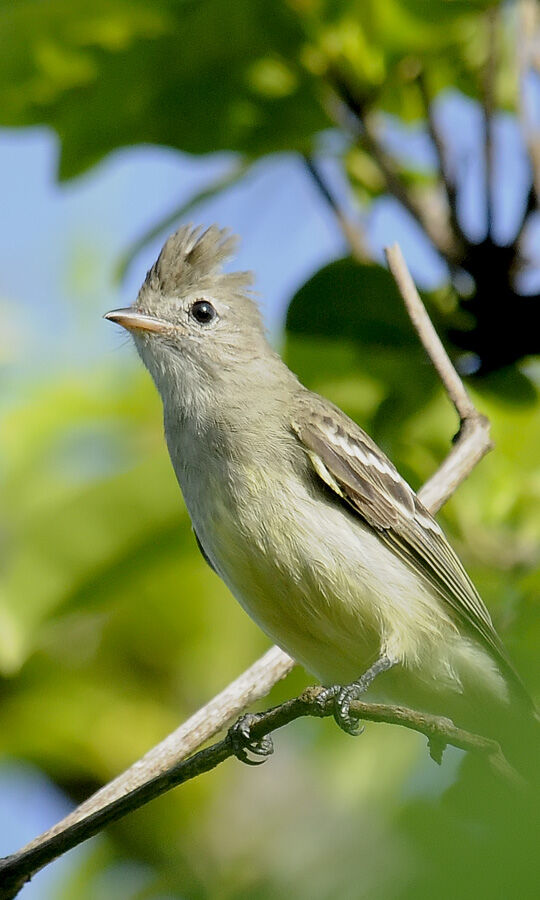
(300, 513)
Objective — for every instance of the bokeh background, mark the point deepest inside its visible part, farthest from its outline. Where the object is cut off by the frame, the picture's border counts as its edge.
(121, 120)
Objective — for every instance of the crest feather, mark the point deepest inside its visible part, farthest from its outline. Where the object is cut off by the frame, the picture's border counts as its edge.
(192, 260)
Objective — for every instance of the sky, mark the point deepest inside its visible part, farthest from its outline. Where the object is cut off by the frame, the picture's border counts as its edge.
(60, 245)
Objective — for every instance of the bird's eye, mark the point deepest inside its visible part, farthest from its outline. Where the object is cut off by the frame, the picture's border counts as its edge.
(203, 312)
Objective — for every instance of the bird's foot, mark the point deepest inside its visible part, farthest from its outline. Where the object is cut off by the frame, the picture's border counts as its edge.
(341, 696)
(344, 695)
(241, 741)
(342, 708)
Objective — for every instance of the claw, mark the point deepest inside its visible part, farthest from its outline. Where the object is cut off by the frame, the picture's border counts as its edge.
(240, 738)
(343, 695)
(325, 695)
(342, 715)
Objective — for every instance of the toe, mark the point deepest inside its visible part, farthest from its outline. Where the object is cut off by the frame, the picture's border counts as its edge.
(325, 695)
(342, 715)
(241, 741)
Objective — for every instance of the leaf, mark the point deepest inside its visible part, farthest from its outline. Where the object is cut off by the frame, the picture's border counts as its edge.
(200, 76)
(357, 302)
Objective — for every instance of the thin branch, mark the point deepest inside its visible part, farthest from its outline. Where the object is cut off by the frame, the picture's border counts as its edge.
(488, 108)
(253, 684)
(442, 238)
(427, 334)
(15, 870)
(166, 766)
(437, 230)
(530, 206)
(473, 440)
(446, 178)
(528, 33)
(350, 230)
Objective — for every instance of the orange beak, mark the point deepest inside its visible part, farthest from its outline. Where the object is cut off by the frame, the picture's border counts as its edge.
(135, 321)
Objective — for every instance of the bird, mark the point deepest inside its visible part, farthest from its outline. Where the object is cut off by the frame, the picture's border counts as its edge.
(301, 514)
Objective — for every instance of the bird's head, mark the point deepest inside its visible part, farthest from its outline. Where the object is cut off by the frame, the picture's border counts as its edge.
(196, 328)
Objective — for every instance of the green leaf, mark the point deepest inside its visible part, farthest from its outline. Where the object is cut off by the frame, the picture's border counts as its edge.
(357, 302)
(200, 76)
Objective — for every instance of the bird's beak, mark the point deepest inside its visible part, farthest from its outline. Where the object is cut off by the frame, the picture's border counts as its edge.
(135, 321)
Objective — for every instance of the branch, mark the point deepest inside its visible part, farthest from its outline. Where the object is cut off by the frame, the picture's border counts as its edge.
(437, 230)
(15, 870)
(106, 805)
(488, 108)
(439, 233)
(528, 34)
(350, 230)
(166, 765)
(445, 176)
(473, 441)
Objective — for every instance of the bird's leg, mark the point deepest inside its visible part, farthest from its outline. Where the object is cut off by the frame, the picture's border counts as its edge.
(343, 695)
(241, 741)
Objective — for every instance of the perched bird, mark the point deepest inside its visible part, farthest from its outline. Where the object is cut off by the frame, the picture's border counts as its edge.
(300, 513)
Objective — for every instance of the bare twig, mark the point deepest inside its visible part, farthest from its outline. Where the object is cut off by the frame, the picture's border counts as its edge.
(435, 226)
(439, 233)
(427, 334)
(528, 34)
(224, 708)
(350, 230)
(166, 765)
(446, 178)
(16, 870)
(473, 441)
(488, 107)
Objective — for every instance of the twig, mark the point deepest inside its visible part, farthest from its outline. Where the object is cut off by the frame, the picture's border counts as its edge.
(442, 238)
(447, 180)
(488, 108)
(15, 870)
(253, 684)
(166, 766)
(527, 33)
(473, 440)
(427, 334)
(436, 229)
(350, 230)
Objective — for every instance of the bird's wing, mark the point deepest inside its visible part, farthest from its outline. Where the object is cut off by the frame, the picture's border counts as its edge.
(353, 466)
(204, 554)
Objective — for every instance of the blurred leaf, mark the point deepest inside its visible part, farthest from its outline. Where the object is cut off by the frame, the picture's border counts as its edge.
(200, 76)
(509, 385)
(353, 301)
(360, 305)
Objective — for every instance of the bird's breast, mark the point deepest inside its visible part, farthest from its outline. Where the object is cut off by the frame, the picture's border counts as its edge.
(283, 554)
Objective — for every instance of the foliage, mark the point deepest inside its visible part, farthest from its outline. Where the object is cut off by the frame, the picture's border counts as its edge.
(111, 626)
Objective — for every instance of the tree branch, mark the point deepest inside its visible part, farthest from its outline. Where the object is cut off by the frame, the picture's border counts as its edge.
(447, 180)
(528, 34)
(166, 764)
(473, 441)
(488, 108)
(350, 230)
(16, 870)
(439, 233)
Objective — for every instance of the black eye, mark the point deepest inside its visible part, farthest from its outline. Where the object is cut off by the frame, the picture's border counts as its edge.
(203, 312)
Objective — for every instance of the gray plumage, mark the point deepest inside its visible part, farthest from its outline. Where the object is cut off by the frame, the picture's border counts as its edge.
(296, 508)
